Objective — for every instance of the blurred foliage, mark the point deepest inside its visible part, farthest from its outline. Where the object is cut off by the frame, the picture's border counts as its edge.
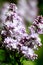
(9, 59)
(40, 4)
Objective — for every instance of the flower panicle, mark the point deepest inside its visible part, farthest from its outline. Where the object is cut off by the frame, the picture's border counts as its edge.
(14, 33)
(37, 25)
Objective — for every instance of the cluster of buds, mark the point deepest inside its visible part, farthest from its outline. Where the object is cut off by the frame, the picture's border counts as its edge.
(14, 33)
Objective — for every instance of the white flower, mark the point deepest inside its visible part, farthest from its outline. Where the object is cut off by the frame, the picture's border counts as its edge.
(40, 26)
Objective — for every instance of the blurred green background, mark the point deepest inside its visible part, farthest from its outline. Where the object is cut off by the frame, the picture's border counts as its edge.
(3, 54)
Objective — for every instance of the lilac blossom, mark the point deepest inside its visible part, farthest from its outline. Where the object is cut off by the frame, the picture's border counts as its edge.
(4, 11)
(37, 25)
(15, 35)
(10, 43)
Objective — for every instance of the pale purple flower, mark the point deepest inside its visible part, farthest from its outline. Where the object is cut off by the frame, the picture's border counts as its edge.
(37, 25)
(4, 12)
(15, 36)
(10, 43)
(28, 52)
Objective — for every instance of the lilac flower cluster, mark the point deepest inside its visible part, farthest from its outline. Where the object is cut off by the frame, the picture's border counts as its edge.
(14, 33)
(37, 25)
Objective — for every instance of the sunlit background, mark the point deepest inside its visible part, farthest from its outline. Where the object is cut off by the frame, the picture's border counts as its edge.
(28, 10)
